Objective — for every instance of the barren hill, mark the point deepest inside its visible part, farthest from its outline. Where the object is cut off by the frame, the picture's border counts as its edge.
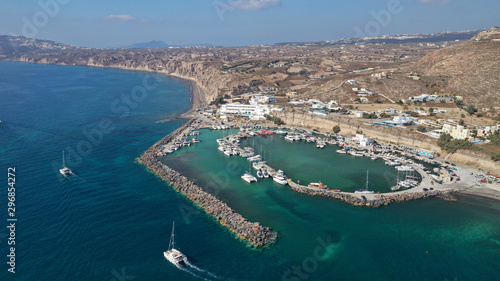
(472, 69)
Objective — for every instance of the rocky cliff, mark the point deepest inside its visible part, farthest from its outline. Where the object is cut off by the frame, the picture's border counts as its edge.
(472, 68)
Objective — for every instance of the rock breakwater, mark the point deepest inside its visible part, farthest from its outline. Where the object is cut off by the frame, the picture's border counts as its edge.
(379, 200)
(253, 233)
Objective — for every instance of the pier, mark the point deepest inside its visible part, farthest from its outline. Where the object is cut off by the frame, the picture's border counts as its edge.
(253, 233)
(372, 200)
(425, 189)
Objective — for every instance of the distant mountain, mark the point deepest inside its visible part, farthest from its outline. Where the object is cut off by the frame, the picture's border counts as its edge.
(472, 68)
(159, 44)
(396, 39)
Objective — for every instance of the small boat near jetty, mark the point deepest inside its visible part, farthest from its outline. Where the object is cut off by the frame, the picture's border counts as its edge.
(248, 177)
(365, 190)
(317, 185)
(280, 179)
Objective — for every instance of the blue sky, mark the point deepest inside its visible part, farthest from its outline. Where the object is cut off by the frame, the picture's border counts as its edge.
(236, 22)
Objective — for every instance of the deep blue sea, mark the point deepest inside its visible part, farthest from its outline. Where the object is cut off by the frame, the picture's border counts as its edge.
(113, 221)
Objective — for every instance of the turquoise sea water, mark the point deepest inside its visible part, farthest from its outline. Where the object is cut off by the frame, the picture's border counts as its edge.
(113, 221)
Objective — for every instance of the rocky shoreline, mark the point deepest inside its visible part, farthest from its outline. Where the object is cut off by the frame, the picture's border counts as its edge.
(380, 200)
(253, 233)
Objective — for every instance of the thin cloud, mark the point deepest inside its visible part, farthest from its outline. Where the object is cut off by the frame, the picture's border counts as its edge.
(249, 4)
(124, 18)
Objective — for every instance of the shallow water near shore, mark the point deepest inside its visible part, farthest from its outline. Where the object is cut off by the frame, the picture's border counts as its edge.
(114, 220)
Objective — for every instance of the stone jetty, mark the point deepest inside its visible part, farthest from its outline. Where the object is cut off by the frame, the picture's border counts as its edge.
(378, 200)
(253, 233)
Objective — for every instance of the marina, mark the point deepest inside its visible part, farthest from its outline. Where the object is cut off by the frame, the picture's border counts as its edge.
(139, 206)
(411, 180)
(254, 234)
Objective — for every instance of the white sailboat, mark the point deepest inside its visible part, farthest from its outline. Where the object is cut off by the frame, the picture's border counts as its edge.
(365, 191)
(173, 255)
(65, 171)
(248, 177)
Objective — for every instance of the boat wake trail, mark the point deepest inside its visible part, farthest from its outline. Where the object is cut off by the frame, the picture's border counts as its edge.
(188, 270)
(79, 178)
(203, 271)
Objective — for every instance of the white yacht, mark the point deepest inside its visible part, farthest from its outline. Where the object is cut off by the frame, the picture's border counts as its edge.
(248, 177)
(173, 255)
(255, 158)
(341, 151)
(65, 171)
(365, 190)
(405, 168)
(258, 165)
(319, 185)
(356, 154)
(281, 179)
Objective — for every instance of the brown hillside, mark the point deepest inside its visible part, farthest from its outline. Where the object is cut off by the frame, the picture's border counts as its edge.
(472, 68)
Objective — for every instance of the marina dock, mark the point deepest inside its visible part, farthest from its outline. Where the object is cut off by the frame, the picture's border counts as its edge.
(253, 233)
(425, 189)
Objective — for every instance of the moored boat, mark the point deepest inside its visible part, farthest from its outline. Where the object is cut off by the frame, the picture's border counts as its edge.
(365, 190)
(248, 177)
(317, 185)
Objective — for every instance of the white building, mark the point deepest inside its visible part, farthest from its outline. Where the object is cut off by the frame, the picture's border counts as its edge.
(437, 133)
(333, 105)
(366, 142)
(358, 114)
(363, 140)
(402, 119)
(318, 106)
(297, 102)
(422, 112)
(352, 82)
(389, 111)
(262, 99)
(253, 111)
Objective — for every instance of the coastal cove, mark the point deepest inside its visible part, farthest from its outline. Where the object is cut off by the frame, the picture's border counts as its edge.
(118, 217)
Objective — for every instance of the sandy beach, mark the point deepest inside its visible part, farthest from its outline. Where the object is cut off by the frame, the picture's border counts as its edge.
(197, 96)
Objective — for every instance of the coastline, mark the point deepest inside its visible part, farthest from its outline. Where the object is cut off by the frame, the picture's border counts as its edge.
(198, 99)
(197, 96)
(253, 233)
(481, 192)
